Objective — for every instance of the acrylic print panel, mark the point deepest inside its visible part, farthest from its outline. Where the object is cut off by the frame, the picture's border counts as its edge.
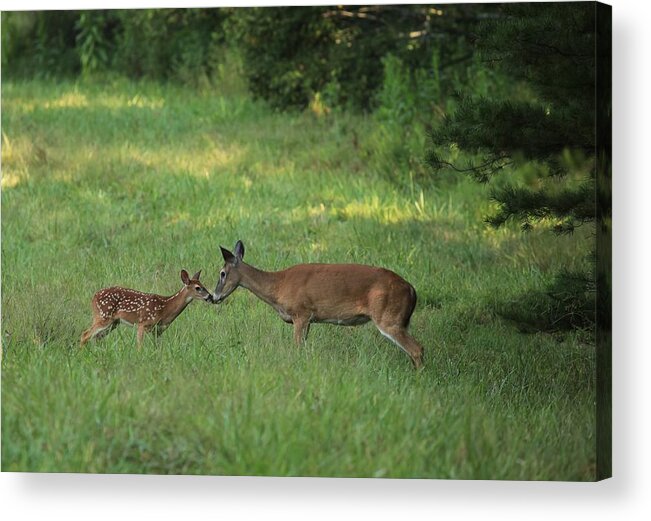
(436, 176)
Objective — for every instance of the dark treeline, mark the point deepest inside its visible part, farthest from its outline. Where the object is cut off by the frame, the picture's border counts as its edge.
(289, 54)
(510, 86)
(159, 44)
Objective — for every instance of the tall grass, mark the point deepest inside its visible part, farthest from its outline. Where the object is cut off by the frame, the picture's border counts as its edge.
(127, 183)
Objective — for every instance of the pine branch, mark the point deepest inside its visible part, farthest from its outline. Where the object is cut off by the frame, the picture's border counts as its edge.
(481, 172)
(571, 207)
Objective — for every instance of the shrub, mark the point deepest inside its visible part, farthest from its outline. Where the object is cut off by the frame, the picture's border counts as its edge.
(177, 44)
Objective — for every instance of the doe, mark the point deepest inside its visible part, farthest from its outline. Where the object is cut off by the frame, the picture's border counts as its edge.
(147, 311)
(343, 294)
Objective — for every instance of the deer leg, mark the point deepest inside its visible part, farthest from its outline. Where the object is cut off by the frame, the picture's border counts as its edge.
(399, 336)
(301, 329)
(391, 317)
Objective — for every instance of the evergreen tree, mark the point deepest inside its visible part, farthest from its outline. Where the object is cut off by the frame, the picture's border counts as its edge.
(549, 51)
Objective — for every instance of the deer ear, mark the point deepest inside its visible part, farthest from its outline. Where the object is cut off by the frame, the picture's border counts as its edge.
(239, 250)
(228, 256)
(196, 275)
(184, 277)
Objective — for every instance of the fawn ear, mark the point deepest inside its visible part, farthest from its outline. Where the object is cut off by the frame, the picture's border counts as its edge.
(228, 256)
(239, 250)
(196, 275)
(184, 277)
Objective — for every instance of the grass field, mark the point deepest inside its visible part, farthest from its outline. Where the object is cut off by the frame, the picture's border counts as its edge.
(120, 183)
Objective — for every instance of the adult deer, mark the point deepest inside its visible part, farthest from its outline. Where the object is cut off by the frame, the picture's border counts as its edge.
(343, 294)
(149, 312)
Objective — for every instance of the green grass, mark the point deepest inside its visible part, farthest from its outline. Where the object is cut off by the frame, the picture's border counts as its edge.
(128, 183)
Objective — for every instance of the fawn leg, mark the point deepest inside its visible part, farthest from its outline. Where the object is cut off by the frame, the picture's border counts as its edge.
(141, 334)
(96, 330)
(101, 334)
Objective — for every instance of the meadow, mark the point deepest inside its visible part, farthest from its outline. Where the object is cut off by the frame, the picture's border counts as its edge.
(116, 182)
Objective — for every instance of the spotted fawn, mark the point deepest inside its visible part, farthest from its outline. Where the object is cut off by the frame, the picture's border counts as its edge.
(147, 311)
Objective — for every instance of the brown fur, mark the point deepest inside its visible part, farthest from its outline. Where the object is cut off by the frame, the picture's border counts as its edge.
(343, 294)
(147, 311)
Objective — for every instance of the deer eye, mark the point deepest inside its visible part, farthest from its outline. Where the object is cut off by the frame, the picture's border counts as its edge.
(222, 274)
(198, 288)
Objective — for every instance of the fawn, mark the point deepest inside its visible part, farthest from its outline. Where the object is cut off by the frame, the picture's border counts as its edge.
(343, 294)
(147, 311)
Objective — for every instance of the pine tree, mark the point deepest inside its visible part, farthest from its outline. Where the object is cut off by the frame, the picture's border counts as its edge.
(548, 123)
